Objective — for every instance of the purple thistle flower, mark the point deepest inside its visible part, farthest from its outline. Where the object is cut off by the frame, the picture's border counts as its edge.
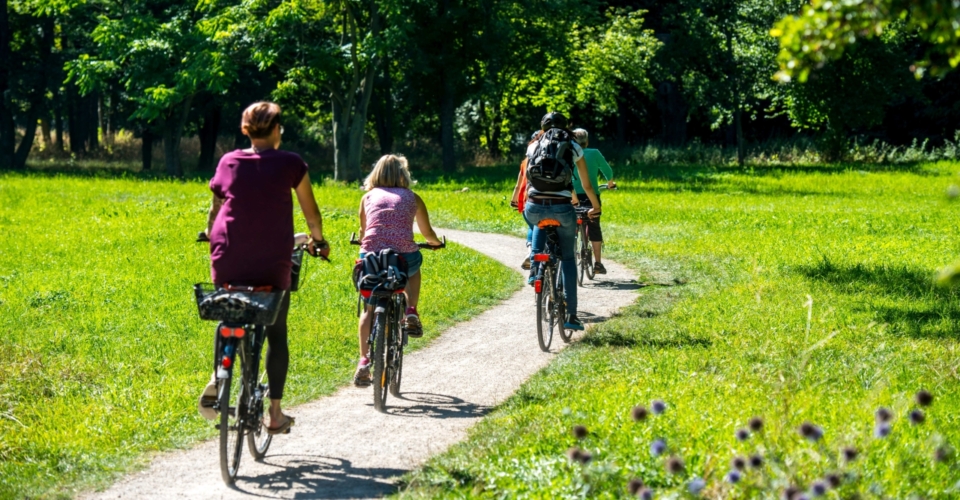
(634, 486)
(738, 463)
(733, 477)
(675, 465)
(755, 424)
(756, 461)
(580, 431)
(645, 494)
(696, 485)
(819, 488)
(917, 417)
(790, 493)
(882, 430)
(850, 454)
(834, 480)
(883, 415)
(658, 447)
(924, 398)
(577, 455)
(802, 497)
(639, 413)
(810, 431)
(742, 434)
(658, 407)
(941, 454)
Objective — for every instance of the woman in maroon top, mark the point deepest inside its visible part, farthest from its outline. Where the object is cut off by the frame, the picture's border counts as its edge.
(250, 227)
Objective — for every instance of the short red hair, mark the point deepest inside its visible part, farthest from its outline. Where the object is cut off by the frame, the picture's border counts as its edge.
(259, 119)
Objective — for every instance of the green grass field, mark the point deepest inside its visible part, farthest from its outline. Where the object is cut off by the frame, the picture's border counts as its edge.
(801, 295)
(102, 354)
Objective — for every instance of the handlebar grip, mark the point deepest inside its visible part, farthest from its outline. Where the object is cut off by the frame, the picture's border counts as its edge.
(202, 237)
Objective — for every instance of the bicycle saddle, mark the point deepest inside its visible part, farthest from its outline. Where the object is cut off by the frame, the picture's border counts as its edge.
(548, 223)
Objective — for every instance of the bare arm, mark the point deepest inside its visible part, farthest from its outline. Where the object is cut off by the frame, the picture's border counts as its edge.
(212, 215)
(423, 222)
(517, 187)
(587, 187)
(311, 211)
(363, 217)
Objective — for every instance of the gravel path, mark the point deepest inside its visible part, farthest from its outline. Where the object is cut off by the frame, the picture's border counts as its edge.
(342, 448)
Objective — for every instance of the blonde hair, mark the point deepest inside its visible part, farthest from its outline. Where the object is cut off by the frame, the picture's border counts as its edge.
(390, 171)
(581, 135)
(259, 119)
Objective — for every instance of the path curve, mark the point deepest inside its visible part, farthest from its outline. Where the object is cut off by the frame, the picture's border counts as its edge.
(342, 448)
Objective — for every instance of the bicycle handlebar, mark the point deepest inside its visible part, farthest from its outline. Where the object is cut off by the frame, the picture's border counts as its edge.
(427, 246)
(305, 246)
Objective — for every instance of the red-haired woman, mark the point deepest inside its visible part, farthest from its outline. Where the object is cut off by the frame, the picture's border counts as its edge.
(250, 227)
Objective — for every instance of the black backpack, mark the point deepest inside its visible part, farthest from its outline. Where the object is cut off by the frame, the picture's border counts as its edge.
(385, 270)
(550, 167)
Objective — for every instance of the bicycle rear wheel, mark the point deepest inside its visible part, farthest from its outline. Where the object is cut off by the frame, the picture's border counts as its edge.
(231, 427)
(381, 332)
(397, 373)
(258, 439)
(578, 253)
(545, 311)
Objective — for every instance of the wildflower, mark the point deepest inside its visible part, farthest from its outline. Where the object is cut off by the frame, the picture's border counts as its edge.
(924, 398)
(819, 488)
(738, 463)
(883, 415)
(645, 494)
(742, 434)
(696, 485)
(634, 486)
(810, 431)
(917, 417)
(733, 477)
(941, 454)
(756, 461)
(658, 407)
(639, 413)
(580, 431)
(577, 455)
(882, 430)
(658, 447)
(756, 424)
(790, 493)
(675, 465)
(850, 454)
(834, 480)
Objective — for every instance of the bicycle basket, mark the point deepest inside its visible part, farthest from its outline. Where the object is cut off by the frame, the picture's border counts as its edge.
(297, 259)
(251, 308)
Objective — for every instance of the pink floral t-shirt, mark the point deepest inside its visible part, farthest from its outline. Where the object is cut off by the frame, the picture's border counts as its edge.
(390, 213)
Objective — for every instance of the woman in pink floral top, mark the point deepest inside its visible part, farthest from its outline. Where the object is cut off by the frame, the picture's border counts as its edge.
(387, 214)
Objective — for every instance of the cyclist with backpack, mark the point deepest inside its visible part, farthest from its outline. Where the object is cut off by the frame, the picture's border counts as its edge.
(596, 164)
(387, 213)
(552, 156)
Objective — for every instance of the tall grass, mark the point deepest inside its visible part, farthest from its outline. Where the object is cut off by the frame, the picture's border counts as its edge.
(799, 296)
(102, 354)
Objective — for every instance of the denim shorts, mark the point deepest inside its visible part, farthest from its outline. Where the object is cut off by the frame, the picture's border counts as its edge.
(414, 260)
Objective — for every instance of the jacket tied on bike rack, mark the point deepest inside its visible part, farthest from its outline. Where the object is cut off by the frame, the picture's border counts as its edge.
(383, 271)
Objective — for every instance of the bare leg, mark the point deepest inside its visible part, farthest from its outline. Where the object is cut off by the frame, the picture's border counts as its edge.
(276, 416)
(413, 289)
(596, 251)
(366, 321)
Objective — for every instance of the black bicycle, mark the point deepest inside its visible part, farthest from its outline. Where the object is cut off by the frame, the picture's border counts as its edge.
(243, 314)
(548, 287)
(387, 338)
(583, 246)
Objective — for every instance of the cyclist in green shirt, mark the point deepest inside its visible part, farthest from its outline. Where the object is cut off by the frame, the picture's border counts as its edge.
(596, 164)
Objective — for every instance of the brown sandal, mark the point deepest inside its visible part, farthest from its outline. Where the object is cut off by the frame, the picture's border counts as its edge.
(284, 428)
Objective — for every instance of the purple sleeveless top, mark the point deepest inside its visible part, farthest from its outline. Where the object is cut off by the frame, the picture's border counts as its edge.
(390, 213)
(252, 236)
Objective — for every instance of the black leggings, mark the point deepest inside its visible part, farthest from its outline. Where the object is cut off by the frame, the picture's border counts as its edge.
(278, 356)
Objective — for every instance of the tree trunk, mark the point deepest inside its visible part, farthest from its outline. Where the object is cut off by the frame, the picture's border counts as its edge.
(92, 118)
(74, 125)
(146, 149)
(341, 139)
(209, 133)
(673, 113)
(383, 110)
(7, 125)
(172, 133)
(738, 122)
(58, 117)
(447, 114)
(26, 143)
(496, 130)
(45, 132)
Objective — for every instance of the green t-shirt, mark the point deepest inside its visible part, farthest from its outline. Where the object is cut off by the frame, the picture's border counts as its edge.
(595, 163)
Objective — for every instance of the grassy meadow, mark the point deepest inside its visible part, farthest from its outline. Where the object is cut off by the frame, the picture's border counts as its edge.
(797, 295)
(102, 354)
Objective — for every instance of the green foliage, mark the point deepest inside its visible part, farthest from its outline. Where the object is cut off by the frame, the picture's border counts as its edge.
(823, 30)
(103, 354)
(725, 331)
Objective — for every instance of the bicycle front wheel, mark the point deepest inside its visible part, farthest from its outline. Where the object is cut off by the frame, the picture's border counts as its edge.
(560, 312)
(381, 333)
(545, 311)
(578, 253)
(231, 427)
(587, 254)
